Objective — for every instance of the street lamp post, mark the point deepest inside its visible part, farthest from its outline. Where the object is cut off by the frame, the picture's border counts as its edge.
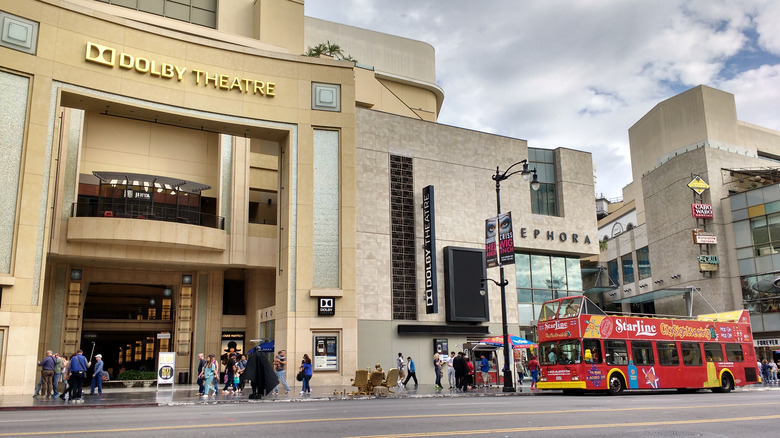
(509, 384)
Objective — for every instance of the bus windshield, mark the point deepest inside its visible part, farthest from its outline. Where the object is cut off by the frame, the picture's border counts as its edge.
(549, 310)
(570, 307)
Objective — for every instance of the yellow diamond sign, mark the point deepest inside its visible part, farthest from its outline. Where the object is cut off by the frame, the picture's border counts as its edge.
(698, 185)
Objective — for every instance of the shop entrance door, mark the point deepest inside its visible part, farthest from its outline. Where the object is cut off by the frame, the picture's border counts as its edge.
(122, 322)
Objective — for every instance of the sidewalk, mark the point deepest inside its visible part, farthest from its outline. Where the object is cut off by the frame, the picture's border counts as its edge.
(188, 395)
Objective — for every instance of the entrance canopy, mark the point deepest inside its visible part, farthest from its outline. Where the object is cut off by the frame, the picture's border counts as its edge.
(160, 183)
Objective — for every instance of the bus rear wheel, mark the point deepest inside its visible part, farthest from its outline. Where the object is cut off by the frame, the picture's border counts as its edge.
(616, 384)
(726, 384)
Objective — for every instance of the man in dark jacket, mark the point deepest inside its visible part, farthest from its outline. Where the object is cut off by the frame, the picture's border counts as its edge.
(261, 373)
(461, 371)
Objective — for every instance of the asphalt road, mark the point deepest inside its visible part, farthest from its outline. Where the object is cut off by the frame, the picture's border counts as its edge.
(702, 414)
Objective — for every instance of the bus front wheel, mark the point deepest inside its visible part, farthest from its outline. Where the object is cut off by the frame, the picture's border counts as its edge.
(616, 384)
(726, 384)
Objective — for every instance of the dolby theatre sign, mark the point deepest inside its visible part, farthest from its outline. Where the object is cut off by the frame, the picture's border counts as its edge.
(110, 57)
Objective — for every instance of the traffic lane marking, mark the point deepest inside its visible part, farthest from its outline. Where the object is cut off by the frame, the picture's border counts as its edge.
(406, 417)
(568, 427)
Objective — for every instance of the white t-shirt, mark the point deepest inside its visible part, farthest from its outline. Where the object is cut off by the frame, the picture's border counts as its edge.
(449, 361)
(399, 363)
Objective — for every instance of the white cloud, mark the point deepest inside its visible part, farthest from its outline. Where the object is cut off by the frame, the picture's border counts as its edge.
(578, 74)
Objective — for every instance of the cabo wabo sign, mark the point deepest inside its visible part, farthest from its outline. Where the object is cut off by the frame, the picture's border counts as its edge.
(110, 57)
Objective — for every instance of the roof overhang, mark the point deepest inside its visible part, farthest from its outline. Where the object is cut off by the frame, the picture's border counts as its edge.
(652, 296)
(159, 182)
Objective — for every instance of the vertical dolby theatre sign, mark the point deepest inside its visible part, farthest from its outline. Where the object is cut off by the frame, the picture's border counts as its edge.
(429, 248)
(111, 57)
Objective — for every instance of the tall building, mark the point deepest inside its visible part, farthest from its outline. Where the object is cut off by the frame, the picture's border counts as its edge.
(179, 178)
(695, 231)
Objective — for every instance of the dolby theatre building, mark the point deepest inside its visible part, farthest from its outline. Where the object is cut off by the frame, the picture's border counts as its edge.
(177, 177)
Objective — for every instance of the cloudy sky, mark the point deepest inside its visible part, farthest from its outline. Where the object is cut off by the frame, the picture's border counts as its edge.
(578, 74)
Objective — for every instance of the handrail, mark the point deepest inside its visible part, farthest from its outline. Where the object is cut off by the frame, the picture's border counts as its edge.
(157, 213)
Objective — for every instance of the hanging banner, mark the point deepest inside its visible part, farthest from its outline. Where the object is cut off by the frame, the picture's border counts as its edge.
(491, 254)
(506, 243)
(429, 247)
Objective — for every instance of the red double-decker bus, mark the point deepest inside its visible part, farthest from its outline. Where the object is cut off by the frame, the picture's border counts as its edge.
(582, 348)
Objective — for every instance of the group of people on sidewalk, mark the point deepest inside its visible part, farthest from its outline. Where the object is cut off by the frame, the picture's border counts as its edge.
(208, 374)
(63, 377)
(768, 369)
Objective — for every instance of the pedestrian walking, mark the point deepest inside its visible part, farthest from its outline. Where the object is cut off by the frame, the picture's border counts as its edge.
(97, 376)
(399, 363)
(451, 378)
(47, 365)
(66, 375)
(772, 371)
(411, 374)
(240, 367)
(208, 374)
(533, 367)
(230, 371)
(307, 374)
(470, 375)
(201, 363)
(55, 381)
(461, 371)
(437, 363)
(78, 371)
(280, 368)
(484, 368)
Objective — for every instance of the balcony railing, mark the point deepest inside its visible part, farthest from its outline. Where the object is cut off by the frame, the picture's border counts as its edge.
(156, 213)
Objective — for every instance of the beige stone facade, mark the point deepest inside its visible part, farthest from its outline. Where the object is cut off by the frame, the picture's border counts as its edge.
(697, 133)
(289, 155)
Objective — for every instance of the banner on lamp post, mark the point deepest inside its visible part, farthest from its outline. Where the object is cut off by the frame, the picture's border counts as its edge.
(491, 253)
(506, 243)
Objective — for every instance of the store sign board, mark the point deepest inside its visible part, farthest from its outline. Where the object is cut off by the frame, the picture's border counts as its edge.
(698, 185)
(166, 362)
(701, 211)
(113, 58)
(708, 263)
(766, 342)
(704, 238)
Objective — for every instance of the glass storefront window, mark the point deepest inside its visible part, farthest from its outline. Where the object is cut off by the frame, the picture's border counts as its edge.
(540, 272)
(523, 270)
(643, 262)
(573, 274)
(542, 278)
(628, 268)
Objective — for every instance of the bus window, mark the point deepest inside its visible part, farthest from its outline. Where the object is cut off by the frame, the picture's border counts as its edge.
(691, 352)
(734, 353)
(570, 308)
(616, 352)
(594, 347)
(713, 352)
(548, 311)
(667, 353)
(570, 352)
(642, 352)
(547, 356)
